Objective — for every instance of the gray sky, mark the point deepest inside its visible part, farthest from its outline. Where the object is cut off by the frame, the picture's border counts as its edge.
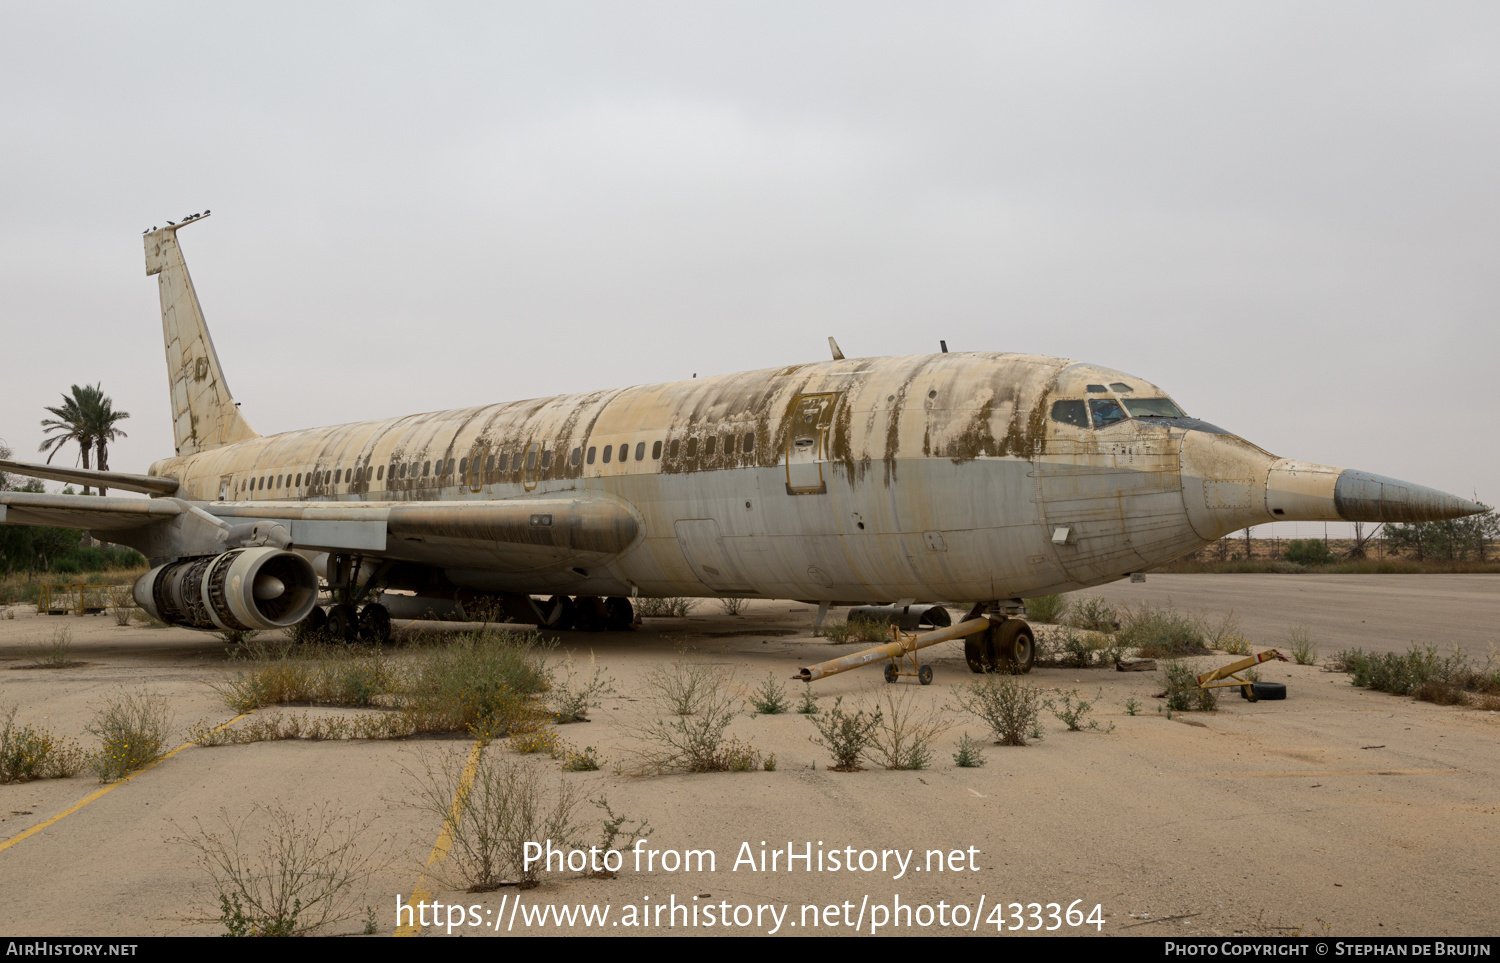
(1284, 214)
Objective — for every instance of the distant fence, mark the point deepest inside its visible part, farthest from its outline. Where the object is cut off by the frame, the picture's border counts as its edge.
(61, 599)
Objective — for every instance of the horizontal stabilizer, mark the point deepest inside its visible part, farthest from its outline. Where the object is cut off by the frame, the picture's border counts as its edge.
(145, 484)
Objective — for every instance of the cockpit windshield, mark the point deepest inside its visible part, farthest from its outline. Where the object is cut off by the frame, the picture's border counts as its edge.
(1153, 408)
(1106, 412)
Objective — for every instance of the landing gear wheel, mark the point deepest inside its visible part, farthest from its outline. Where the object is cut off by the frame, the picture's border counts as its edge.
(343, 622)
(593, 615)
(1269, 690)
(924, 675)
(890, 672)
(558, 614)
(1016, 646)
(619, 614)
(375, 624)
(314, 625)
(979, 651)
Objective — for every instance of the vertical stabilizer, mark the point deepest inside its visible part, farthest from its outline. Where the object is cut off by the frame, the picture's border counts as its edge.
(204, 415)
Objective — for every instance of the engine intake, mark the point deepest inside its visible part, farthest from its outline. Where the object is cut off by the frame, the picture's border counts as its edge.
(248, 588)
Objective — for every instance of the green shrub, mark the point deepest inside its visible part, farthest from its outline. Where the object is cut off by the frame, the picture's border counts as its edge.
(1307, 551)
(857, 630)
(968, 755)
(1300, 642)
(770, 698)
(1182, 692)
(1160, 633)
(846, 735)
(132, 729)
(1048, 609)
(905, 731)
(27, 753)
(1070, 709)
(1093, 614)
(1009, 707)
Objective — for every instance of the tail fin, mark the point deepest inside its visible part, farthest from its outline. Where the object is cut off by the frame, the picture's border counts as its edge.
(204, 415)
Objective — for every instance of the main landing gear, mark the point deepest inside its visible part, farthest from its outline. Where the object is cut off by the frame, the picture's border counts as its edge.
(1009, 646)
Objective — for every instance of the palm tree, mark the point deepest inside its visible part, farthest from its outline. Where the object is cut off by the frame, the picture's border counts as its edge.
(101, 422)
(86, 417)
(71, 424)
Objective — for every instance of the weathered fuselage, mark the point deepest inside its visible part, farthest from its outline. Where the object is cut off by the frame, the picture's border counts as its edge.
(942, 476)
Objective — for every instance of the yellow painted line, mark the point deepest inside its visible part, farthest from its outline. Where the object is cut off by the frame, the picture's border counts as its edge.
(420, 892)
(104, 790)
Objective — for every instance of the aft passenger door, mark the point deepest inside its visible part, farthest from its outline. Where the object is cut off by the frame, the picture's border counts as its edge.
(807, 443)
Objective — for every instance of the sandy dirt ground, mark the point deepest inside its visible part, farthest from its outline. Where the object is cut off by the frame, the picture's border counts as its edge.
(1337, 811)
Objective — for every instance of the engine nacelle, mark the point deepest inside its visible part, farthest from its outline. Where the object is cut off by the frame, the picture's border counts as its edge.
(248, 588)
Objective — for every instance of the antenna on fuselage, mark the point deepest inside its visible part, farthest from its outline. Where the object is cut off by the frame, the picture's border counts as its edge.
(944, 346)
(834, 346)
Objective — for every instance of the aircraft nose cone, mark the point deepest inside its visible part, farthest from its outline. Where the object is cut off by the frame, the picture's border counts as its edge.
(1362, 497)
(268, 587)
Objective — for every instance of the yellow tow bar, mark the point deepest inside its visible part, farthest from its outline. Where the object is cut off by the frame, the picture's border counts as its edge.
(900, 650)
(1213, 680)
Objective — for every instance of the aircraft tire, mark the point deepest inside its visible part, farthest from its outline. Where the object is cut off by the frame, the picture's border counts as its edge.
(314, 625)
(592, 616)
(343, 622)
(375, 624)
(979, 651)
(619, 614)
(1269, 690)
(1015, 644)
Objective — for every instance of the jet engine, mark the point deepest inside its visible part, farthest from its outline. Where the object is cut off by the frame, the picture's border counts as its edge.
(248, 588)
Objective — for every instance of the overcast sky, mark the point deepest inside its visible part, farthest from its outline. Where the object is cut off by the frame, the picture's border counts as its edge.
(1284, 214)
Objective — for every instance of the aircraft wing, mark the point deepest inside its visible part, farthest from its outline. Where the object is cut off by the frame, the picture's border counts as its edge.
(145, 484)
(531, 535)
(99, 514)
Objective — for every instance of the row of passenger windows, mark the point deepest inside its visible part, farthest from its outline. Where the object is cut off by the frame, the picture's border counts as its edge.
(532, 458)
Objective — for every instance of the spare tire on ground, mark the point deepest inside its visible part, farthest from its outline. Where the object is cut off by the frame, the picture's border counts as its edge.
(1269, 690)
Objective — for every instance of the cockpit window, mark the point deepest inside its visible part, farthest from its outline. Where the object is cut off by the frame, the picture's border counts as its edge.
(1120, 386)
(1106, 412)
(1153, 408)
(1097, 389)
(1070, 413)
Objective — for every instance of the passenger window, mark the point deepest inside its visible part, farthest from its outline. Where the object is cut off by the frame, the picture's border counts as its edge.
(708, 446)
(676, 445)
(1070, 413)
(380, 473)
(1106, 412)
(573, 459)
(692, 448)
(463, 467)
(337, 474)
(515, 462)
(609, 453)
(728, 444)
(749, 442)
(624, 451)
(489, 463)
(592, 449)
(656, 451)
(426, 467)
(640, 451)
(547, 459)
